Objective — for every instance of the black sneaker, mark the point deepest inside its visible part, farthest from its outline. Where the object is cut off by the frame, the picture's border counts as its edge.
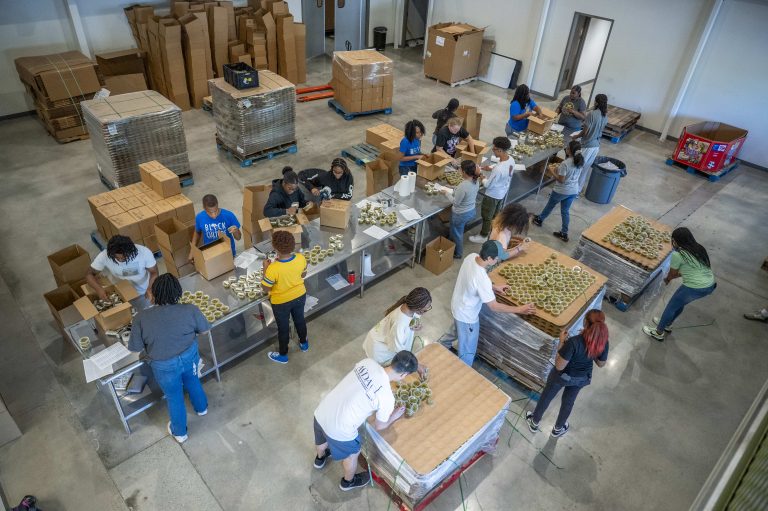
(558, 234)
(537, 220)
(533, 427)
(320, 462)
(556, 433)
(358, 481)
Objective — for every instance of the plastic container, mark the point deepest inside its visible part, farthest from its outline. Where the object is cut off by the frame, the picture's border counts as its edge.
(379, 38)
(241, 76)
(603, 183)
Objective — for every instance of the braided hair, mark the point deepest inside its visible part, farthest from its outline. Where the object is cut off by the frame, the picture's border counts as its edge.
(166, 290)
(416, 300)
(341, 163)
(514, 217)
(122, 245)
(689, 248)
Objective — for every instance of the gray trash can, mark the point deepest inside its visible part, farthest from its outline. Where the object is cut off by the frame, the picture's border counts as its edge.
(379, 38)
(603, 182)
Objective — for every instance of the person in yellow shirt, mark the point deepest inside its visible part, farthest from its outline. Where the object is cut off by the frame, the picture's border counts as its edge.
(284, 281)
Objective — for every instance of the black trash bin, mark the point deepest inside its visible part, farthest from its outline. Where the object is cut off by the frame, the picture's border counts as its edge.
(379, 38)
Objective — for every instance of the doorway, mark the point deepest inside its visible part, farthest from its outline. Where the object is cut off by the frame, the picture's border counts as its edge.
(583, 54)
(334, 25)
(414, 22)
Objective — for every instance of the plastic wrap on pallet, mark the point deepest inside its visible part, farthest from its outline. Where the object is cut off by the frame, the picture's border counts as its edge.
(624, 277)
(412, 486)
(249, 121)
(129, 129)
(365, 66)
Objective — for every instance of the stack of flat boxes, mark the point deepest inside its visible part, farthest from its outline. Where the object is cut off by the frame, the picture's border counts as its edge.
(362, 80)
(135, 209)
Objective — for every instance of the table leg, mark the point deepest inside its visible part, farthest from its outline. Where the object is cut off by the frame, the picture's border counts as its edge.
(362, 272)
(544, 172)
(113, 393)
(213, 354)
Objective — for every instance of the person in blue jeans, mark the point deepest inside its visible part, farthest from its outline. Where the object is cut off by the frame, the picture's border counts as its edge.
(691, 262)
(566, 189)
(473, 289)
(410, 147)
(168, 334)
(464, 198)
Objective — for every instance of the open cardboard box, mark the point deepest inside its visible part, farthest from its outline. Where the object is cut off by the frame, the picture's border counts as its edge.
(60, 302)
(480, 149)
(266, 227)
(432, 166)
(376, 176)
(172, 234)
(335, 213)
(114, 318)
(439, 255)
(69, 264)
(542, 122)
(214, 259)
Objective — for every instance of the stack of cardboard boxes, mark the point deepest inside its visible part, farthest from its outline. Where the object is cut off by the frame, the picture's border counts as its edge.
(362, 80)
(134, 210)
(69, 266)
(254, 199)
(174, 238)
(57, 84)
(453, 52)
(123, 71)
(383, 171)
(471, 119)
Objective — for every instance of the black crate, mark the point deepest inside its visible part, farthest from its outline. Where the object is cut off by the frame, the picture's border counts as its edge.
(241, 75)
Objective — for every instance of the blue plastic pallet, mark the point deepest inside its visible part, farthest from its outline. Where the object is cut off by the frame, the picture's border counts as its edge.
(349, 116)
(361, 153)
(616, 140)
(713, 177)
(267, 154)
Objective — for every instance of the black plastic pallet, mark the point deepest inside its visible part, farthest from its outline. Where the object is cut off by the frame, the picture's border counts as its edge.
(349, 116)
(266, 154)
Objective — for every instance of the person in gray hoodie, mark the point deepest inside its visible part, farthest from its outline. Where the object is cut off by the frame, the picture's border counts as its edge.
(464, 197)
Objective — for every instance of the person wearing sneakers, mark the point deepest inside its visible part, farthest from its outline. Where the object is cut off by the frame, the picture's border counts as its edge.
(284, 281)
(512, 220)
(691, 262)
(573, 370)
(464, 197)
(168, 333)
(565, 191)
(496, 186)
(473, 289)
(760, 315)
(364, 390)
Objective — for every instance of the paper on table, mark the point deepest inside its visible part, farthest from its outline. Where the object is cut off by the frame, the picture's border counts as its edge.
(337, 282)
(410, 214)
(557, 127)
(94, 372)
(364, 202)
(377, 232)
(245, 259)
(106, 357)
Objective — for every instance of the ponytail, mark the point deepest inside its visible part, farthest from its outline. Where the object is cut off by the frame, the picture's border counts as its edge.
(417, 299)
(601, 102)
(574, 147)
(470, 168)
(595, 334)
(289, 176)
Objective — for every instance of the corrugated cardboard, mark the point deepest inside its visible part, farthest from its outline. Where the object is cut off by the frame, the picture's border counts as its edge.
(114, 318)
(214, 259)
(175, 258)
(163, 210)
(123, 84)
(126, 225)
(194, 44)
(172, 57)
(218, 32)
(147, 220)
(300, 36)
(286, 48)
(69, 264)
(470, 119)
(60, 75)
(130, 203)
(145, 169)
(266, 229)
(362, 80)
(542, 122)
(464, 402)
(439, 256)
(432, 166)
(254, 199)
(335, 213)
(97, 201)
(182, 270)
(453, 51)
(231, 25)
(173, 234)
(377, 176)
(61, 304)
(185, 210)
(480, 149)
(382, 133)
(121, 62)
(165, 183)
(155, 56)
(271, 30)
(151, 243)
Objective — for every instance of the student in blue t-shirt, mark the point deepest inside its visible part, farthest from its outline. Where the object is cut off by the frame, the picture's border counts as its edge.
(213, 223)
(410, 147)
(520, 109)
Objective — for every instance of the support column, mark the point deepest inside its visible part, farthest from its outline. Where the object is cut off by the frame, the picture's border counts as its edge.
(537, 44)
(77, 26)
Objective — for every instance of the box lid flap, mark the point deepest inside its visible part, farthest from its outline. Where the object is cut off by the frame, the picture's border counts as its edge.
(85, 307)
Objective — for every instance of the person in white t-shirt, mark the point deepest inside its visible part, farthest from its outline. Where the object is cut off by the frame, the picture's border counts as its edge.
(473, 289)
(396, 331)
(125, 260)
(496, 186)
(364, 390)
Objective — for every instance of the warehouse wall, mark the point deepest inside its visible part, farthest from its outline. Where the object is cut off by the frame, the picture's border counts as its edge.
(729, 83)
(381, 13)
(592, 52)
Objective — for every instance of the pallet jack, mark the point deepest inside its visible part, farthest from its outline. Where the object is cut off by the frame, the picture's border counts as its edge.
(314, 97)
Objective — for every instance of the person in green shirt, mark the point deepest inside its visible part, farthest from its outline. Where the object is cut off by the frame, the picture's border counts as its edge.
(690, 261)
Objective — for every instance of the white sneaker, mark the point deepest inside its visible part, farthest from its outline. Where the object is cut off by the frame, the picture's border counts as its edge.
(204, 412)
(656, 322)
(477, 239)
(180, 439)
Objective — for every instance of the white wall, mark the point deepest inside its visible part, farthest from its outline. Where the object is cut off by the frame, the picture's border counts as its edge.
(729, 83)
(381, 14)
(592, 51)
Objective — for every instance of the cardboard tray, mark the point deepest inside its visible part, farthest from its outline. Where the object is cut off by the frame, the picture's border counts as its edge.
(464, 403)
(614, 217)
(544, 321)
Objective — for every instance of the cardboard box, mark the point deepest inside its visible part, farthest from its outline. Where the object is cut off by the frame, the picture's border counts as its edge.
(175, 258)
(69, 264)
(439, 256)
(362, 80)
(114, 318)
(147, 168)
(335, 213)
(172, 57)
(126, 225)
(300, 37)
(121, 62)
(185, 210)
(163, 210)
(471, 119)
(147, 220)
(432, 166)
(268, 22)
(60, 76)
(153, 197)
(123, 84)
(254, 199)
(130, 203)
(235, 50)
(214, 259)
(480, 149)
(151, 243)
(194, 45)
(218, 32)
(173, 235)
(383, 133)
(377, 176)
(542, 122)
(181, 271)
(266, 229)
(453, 51)
(97, 201)
(286, 48)
(165, 183)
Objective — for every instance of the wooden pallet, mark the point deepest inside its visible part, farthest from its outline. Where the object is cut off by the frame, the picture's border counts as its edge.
(620, 122)
(361, 153)
(266, 154)
(454, 84)
(348, 116)
(711, 176)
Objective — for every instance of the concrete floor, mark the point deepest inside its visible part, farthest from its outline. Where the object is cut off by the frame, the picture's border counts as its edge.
(644, 435)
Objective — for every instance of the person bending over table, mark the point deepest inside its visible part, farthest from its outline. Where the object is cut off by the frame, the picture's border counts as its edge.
(214, 223)
(336, 184)
(169, 333)
(450, 135)
(496, 186)
(520, 109)
(513, 220)
(473, 289)
(363, 391)
(125, 260)
(285, 197)
(396, 331)
(410, 147)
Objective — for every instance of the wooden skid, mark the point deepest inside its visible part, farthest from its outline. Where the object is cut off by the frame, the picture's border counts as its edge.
(348, 116)
(266, 154)
(361, 153)
(621, 119)
(711, 176)
(454, 84)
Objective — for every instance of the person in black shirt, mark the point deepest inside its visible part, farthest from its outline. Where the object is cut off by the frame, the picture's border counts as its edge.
(285, 197)
(450, 135)
(443, 115)
(573, 370)
(336, 184)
